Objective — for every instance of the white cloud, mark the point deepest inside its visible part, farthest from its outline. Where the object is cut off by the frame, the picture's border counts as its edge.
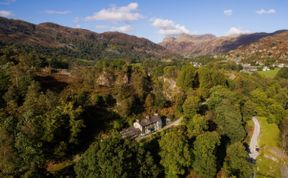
(228, 12)
(124, 13)
(7, 2)
(236, 31)
(123, 29)
(4, 13)
(266, 11)
(101, 27)
(168, 27)
(55, 12)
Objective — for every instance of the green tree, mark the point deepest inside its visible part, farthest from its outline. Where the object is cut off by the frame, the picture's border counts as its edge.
(186, 77)
(88, 165)
(248, 110)
(175, 153)
(204, 151)
(114, 157)
(196, 126)
(8, 158)
(229, 121)
(191, 105)
(210, 77)
(236, 161)
(283, 73)
(149, 102)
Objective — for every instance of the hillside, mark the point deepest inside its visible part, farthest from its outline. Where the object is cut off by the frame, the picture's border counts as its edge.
(197, 45)
(76, 43)
(273, 48)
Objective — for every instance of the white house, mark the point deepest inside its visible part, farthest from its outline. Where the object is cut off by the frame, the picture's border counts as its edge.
(143, 127)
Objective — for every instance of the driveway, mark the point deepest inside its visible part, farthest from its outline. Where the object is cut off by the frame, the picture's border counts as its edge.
(254, 140)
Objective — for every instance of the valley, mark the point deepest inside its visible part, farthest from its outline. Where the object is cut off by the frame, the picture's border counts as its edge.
(76, 103)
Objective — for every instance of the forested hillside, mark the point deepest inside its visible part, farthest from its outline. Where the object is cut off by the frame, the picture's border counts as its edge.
(57, 122)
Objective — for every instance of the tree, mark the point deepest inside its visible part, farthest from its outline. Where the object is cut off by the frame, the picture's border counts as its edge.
(115, 157)
(170, 71)
(88, 165)
(204, 151)
(75, 121)
(236, 161)
(248, 110)
(283, 73)
(4, 81)
(226, 105)
(210, 77)
(196, 126)
(149, 102)
(186, 77)
(175, 153)
(8, 157)
(140, 82)
(191, 106)
(218, 94)
(229, 121)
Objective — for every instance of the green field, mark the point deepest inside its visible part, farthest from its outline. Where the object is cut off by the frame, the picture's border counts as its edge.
(270, 133)
(269, 74)
(268, 164)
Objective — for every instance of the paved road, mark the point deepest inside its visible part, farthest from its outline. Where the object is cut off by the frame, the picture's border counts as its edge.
(254, 140)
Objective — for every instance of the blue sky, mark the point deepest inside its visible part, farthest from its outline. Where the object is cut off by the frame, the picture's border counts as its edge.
(154, 19)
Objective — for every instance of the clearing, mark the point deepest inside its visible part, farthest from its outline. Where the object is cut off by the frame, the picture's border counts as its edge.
(269, 74)
(271, 157)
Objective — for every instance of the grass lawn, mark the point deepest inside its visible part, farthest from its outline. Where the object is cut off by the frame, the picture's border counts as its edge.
(269, 133)
(269, 74)
(267, 168)
(268, 165)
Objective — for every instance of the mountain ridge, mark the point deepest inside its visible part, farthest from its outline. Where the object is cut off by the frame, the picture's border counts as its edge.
(207, 44)
(81, 43)
(64, 41)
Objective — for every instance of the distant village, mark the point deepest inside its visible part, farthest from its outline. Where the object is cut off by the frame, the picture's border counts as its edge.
(247, 67)
(260, 66)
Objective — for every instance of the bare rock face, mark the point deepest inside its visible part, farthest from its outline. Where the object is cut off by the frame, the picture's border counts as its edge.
(105, 80)
(188, 44)
(122, 80)
(170, 89)
(110, 79)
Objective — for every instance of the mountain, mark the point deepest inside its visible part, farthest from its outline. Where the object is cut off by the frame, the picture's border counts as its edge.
(271, 47)
(59, 41)
(78, 43)
(196, 45)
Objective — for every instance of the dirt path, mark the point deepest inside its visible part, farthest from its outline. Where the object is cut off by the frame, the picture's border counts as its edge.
(254, 140)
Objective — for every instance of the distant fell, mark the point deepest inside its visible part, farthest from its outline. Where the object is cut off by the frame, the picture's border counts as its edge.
(77, 43)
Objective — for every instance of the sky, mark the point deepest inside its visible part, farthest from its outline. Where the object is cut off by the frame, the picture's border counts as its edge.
(155, 19)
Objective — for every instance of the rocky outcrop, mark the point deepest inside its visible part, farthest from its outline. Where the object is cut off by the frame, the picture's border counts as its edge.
(170, 89)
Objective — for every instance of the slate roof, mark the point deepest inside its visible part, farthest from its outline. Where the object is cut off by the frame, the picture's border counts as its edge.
(130, 132)
(149, 121)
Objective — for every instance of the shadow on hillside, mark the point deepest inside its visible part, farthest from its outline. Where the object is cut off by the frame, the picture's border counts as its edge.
(246, 39)
(50, 83)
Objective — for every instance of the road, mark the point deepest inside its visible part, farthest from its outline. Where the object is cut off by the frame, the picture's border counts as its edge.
(254, 140)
